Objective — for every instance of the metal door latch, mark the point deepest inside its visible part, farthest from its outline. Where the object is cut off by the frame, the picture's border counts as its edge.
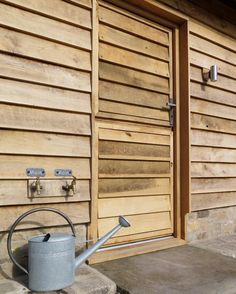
(171, 106)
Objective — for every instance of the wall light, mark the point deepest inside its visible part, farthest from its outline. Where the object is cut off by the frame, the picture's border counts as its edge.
(211, 73)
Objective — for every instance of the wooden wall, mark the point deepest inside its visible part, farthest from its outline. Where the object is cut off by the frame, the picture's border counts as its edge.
(213, 119)
(45, 86)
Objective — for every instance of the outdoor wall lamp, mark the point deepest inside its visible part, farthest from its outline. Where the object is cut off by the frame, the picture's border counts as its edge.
(211, 73)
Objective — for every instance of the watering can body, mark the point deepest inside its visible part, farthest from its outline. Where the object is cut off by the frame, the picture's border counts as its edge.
(51, 264)
(51, 257)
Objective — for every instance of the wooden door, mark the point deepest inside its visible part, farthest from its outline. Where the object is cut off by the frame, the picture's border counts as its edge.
(135, 139)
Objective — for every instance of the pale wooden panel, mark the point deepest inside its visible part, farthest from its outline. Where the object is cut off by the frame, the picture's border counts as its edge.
(139, 224)
(44, 120)
(121, 168)
(45, 27)
(213, 123)
(210, 170)
(133, 26)
(13, 192)
(17, 165)
(213, 185)
(212, 94)
(42, 219)
(131, 42)
(133, 60)
(133, 110)
(213, 154)
(212, 34)
(135, 137)
(214, 109)
(43, 96)
(114, 125)
(138, 237)
(202, 60)
(134, 78)
(136, 119)
(213, 200)
(212, 49)
(132, 150)
(42, 73)
(33, 47)
(212, 139)
(122, 93)
(224, 83)
(57, 9)
(133, 205)
(19, 142)
(133, 187)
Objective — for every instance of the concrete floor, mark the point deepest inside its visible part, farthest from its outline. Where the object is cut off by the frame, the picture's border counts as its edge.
(183, 270)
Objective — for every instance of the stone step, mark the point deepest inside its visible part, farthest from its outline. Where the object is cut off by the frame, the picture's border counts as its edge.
(87, 281)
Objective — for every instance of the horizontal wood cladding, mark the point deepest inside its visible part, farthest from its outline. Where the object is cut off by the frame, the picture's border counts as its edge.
(135, 67)
(213, 119)
(135, 180)
(44, 219)
(45, 99)
(140, 224)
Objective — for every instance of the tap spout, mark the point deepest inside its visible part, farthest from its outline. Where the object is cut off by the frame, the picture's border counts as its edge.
(123, 223)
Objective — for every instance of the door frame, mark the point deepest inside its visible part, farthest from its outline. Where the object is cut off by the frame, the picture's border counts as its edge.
(179, 24)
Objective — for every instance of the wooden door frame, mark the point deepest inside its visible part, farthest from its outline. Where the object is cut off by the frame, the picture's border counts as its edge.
(178, 22)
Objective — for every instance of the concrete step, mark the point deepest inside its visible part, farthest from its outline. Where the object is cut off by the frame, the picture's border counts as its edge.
(87, 281)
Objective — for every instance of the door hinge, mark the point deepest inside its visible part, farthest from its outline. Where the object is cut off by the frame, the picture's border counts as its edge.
(171, 106)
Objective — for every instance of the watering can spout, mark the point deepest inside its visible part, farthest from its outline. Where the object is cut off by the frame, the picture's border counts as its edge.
(85, 255)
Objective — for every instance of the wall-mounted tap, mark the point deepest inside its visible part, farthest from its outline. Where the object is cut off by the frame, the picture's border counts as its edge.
(36, 186)
(70, 187)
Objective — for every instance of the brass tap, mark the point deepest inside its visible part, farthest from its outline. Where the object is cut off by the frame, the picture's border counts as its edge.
(36, 186)
(70, 187)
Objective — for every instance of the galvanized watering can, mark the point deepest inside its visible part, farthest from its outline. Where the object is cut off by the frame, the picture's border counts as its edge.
(51, 257)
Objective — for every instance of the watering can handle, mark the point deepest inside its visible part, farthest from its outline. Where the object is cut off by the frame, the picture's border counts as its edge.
(9, 238)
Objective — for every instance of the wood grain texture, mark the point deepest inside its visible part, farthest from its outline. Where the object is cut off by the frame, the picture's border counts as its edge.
(17, 166)
(140, 223)
(210, 170)
(208, 154)
(133, 187)
(42, 73)
(42, 219)
(217, 185)
(61, 10)
(44, 27)
(210, 123)
(134, 43)
(213, 200)
(135, 137)
(212, 49)
(224, 83)
(32, 143)
(133, 60)
(136, 205)
(133, 26)
(126, 76)
(122, 93)
(16, 92)
(33, 47)
(108, 149)
(44, 120)
(121, 168)
(212, 139)
(52, 192)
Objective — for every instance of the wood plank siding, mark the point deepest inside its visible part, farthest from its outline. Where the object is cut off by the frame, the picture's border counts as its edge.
(213, 119)
(45, 106)
(135, 159)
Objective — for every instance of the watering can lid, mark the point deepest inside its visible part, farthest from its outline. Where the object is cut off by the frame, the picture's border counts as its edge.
(56, 237)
